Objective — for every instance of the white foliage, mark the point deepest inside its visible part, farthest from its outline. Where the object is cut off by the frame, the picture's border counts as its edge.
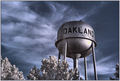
(34, 74)
(9, 72)
(51, 69)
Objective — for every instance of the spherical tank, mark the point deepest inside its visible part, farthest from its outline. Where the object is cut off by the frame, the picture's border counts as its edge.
(79, 37)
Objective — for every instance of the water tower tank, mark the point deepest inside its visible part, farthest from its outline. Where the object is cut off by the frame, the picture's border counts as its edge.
(79, 37)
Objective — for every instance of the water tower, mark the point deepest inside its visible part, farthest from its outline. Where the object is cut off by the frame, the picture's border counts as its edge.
(76, 39)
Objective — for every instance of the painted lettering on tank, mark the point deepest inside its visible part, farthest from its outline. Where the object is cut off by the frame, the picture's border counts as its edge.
(75, 30)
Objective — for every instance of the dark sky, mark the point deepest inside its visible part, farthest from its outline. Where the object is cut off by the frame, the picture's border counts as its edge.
(29, 31)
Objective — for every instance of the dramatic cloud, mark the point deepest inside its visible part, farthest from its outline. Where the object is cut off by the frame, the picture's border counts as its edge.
(29, 32)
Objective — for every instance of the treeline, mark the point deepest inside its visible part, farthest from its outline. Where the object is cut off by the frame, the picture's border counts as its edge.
(50, 69)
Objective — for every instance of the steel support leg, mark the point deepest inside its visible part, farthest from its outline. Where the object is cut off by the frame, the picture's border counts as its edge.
(85, 68)
(94, 61)
(59, 57)
(76, 75)
(65, 53)
(75, 63)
